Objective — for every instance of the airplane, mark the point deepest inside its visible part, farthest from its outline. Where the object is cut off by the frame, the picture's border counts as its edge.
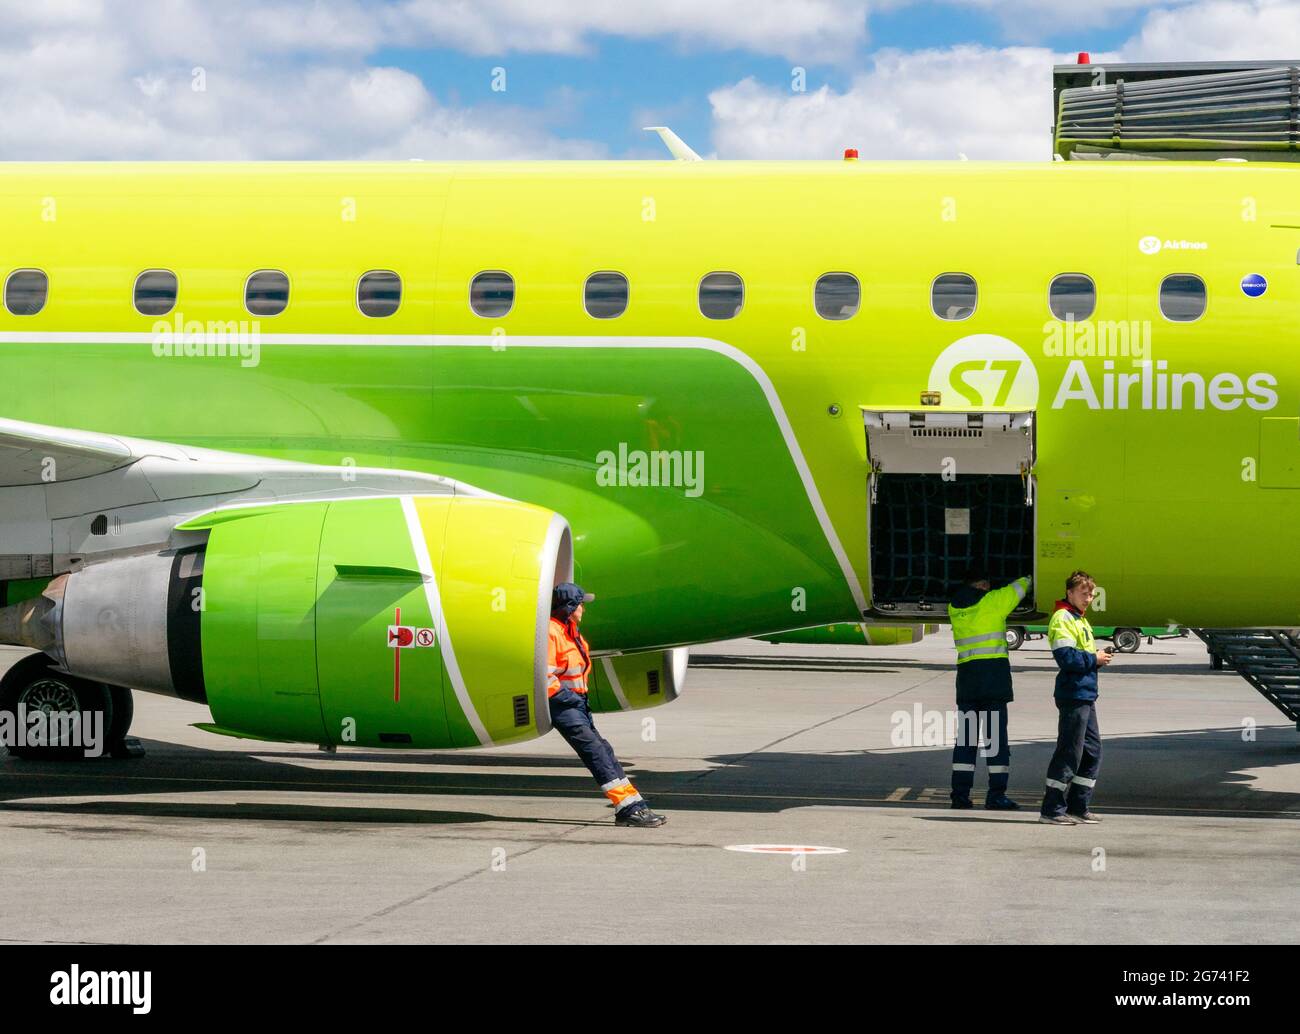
(311, 442)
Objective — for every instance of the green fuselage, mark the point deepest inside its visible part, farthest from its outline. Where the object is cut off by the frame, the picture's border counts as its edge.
(1183, 513)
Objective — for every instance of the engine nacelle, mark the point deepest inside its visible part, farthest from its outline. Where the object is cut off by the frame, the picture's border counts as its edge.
(387, 622)
(635, 681)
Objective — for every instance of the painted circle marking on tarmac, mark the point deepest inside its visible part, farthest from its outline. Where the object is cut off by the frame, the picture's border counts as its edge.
(785, 849)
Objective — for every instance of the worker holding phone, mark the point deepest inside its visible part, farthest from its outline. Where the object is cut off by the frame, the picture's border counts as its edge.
(1072, 773)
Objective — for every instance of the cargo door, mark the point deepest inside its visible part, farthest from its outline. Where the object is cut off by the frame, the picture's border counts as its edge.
(948, 491)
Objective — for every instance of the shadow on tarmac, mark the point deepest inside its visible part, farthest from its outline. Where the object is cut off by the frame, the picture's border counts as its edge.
(830, 664)
(1195, 773)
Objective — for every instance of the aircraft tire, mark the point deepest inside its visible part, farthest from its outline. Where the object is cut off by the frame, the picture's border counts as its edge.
(32, 681)
(1126, 640)
(1015, 637)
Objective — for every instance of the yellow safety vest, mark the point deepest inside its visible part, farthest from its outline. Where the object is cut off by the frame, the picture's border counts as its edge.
(568, 658)
(979, 632)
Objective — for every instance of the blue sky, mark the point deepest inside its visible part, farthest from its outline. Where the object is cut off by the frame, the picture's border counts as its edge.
(623, 85)
(315, 79)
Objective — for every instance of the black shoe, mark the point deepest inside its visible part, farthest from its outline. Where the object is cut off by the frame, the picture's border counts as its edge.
(638, 817)
(1000, 803)
(1086, 817)
(961, 803)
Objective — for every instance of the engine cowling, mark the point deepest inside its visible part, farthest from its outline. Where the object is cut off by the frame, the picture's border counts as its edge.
(635, 681)
(416, 621)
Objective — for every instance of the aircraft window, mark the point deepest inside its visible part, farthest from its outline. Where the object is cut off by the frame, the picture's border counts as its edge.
(1182, 297)
(379, 293)
(1072, 296)
(953, 296)
(155, 292)
(721, 296)
(266, 293)
(492, 294)
(836, 296)
(25, 291)
(605, 295)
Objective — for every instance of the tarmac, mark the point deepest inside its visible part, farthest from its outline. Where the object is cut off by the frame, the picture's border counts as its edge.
(214, 839)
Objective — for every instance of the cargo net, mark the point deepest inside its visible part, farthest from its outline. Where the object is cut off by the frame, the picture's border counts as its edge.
(916, 558)
(1248, 114)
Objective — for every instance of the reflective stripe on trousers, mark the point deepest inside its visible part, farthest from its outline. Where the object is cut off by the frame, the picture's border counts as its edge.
(569, 661)
(981, 732)
(621, 793)
(1072, 774)
(571, 716)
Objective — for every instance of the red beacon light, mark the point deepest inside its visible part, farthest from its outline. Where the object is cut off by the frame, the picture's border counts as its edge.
(850, 154)
(1084, 58)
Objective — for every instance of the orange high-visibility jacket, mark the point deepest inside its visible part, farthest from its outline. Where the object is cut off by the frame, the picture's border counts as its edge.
(568, 658)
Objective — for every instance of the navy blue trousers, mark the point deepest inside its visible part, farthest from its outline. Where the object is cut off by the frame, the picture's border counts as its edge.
(571, 715)
(1072, 774)
(978, 724)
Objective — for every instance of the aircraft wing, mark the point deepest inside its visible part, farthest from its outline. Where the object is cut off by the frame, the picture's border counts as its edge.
(32, 454)
(70, 495)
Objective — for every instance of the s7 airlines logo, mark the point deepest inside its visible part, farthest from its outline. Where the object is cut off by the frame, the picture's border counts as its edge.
(1153, 245)
(986, 370)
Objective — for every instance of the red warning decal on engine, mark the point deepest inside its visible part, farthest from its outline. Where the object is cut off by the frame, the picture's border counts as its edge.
(424, 637)
(401, 636)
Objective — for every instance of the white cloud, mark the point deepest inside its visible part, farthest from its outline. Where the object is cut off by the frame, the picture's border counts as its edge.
(983, 102)
(1220, 30)
(317, 113)
(79, 79)
(801, 30)
(292, 79)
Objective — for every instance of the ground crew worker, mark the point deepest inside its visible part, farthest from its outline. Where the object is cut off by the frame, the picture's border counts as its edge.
(568, 666)
(979, 631)
(1072, 773)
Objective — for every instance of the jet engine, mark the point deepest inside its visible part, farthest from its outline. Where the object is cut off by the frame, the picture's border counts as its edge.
(397, 621)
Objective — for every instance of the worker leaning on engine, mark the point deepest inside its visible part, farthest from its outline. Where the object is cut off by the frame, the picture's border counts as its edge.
(568, 667)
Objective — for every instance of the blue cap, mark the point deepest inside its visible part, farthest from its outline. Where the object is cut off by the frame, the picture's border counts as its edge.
(567, 597)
